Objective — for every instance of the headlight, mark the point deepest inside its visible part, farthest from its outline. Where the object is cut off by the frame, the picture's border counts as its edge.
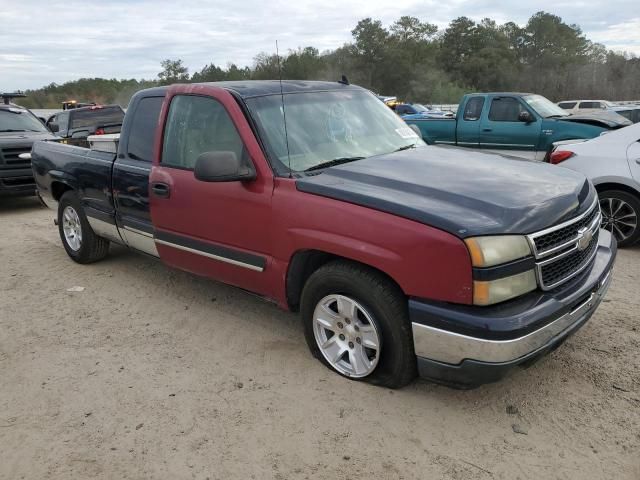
(494, 251)
(495, 291)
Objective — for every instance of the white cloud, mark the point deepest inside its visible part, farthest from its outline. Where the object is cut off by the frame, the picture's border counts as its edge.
(43, 42)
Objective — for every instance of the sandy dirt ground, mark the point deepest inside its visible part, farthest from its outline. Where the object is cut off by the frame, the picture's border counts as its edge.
(154, 373)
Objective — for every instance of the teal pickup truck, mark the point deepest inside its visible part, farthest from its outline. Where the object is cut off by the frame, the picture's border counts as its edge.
(520, 124)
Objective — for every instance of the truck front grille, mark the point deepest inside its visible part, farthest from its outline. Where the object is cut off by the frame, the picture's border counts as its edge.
(565, 250)
(560, 269)
(11, 156)
(556, 238)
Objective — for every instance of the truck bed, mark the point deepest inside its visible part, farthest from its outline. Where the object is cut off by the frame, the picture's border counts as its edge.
(57, 166)
(435, 130)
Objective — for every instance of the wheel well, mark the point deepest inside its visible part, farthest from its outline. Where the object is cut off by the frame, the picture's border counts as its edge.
(302, 266)
(617, 186)
(58, 189)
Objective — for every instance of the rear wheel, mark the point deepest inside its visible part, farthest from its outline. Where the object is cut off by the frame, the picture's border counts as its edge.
(620, 215)
(78, 238)
(356, 323)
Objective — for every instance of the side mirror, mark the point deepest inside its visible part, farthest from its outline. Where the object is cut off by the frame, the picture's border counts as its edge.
(222, 167)
(53, 127)
(80, 134)
(525, 117)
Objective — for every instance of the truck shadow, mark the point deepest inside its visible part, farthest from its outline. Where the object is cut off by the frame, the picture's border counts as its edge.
(11, 205)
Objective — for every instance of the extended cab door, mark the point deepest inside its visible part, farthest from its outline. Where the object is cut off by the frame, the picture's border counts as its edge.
(220, 229)
(468, 127)
(503, 130)
(131, 171)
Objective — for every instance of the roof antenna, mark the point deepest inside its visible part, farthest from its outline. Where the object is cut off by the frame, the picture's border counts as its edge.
(284, 113)
(344, 80)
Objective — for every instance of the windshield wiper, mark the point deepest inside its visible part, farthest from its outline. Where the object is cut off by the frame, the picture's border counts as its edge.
(333, 163)
(406, 147)
(12, 130)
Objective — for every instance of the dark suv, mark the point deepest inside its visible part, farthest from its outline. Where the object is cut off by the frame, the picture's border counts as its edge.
(19, 128)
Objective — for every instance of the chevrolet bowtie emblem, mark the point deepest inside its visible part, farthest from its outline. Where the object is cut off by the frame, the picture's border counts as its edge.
(584, 238)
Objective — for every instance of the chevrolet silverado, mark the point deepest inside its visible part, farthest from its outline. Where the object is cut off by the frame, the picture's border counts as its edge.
(401, 258)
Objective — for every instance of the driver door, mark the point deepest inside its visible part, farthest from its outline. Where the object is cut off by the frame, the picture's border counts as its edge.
(216, 229)
(503, 132)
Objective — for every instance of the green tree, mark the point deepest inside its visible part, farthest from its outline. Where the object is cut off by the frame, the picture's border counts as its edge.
(173, 71)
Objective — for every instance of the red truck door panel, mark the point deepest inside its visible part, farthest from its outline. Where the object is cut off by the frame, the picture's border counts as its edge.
(216, 229)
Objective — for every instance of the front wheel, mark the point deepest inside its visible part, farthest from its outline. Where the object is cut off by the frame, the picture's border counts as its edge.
(356, 323)
(78, 238)
(620, 212)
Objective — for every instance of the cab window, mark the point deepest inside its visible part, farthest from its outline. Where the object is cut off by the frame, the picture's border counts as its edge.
(143, 128)
(196, 125)
(473, 109)
(505, 109)
(567, 105)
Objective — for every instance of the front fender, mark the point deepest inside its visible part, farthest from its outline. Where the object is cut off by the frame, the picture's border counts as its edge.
(424, 261)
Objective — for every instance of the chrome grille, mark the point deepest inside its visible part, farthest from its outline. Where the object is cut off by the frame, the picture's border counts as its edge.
(557, 238)
(562, 251)
(558, 270)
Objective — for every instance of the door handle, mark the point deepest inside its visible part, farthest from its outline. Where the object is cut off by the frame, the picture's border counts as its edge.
(487, 129)
(161, 190)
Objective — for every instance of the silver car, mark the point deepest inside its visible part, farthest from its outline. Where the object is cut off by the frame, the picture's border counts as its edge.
(612, 162)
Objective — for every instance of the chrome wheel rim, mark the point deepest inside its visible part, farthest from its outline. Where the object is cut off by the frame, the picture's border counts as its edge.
(72, 228)
(618, 217)
(346, 335)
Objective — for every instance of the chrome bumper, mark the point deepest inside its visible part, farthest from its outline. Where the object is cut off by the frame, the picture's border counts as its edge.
(453, 348)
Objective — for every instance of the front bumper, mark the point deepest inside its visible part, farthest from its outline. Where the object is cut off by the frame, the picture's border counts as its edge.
(467, 346)
(16, 182)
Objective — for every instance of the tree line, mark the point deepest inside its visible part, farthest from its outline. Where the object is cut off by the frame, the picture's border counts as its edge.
(414, 60)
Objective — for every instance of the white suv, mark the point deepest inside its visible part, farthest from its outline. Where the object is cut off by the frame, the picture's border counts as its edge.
(585, 106)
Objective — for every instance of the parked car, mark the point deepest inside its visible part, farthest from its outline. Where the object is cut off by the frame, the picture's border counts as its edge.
(410, 109)
(75, 125)
(19, 128)
(401, 257)
(585, 106)
(519, 124)
(612, 162)
(631, 112)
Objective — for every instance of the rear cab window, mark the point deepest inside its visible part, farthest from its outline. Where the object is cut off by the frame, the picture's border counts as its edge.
(143, 129)
(96, 117)
(196, 125)
(473, 109)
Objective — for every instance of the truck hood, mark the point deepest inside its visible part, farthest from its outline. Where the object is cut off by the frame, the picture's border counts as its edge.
(24, 137)
(599, 119)
(462, 192)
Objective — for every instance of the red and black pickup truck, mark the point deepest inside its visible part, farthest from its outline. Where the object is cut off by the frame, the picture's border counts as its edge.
(402, 258)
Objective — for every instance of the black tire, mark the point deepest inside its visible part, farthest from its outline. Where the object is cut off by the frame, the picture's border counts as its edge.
(633, 203)
(92, 247)
(386, 304)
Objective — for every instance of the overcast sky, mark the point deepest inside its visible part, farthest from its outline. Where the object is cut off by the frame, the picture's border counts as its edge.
(57, 41)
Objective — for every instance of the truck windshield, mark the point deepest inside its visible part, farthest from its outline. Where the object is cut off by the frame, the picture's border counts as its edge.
(19, 120)
(328, 126)
(544, 107)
